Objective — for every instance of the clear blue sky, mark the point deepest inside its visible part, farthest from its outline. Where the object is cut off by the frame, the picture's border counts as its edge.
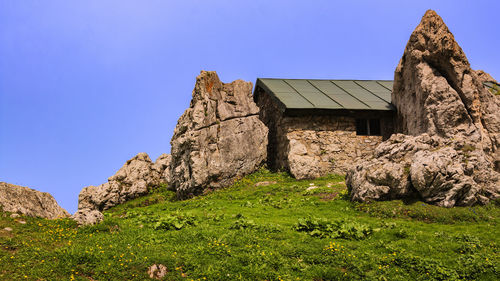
(86, 85)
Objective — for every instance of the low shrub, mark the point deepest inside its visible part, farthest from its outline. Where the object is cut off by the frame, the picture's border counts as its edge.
(322, 228)
(243, 224)
(175, 222)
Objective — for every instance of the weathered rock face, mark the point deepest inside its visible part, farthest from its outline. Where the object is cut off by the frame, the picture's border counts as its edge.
(162, 166)
(485, 77)
(218, 139)
(88, 216)
(433, 168)
(134, 179)
(452, 124)
(131, 181)
(437, 92)
(30, 202)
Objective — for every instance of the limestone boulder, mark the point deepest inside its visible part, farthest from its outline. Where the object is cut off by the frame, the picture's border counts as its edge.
(441, 177)
(29, 202)
(88, 216)
(450, 125)
(386, 176)
(157, 271)
(434, 169)
(218, 139)
(136, 178)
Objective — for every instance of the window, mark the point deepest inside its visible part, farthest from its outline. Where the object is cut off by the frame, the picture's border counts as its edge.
(368, 127)
(374, 127)
(361, 127)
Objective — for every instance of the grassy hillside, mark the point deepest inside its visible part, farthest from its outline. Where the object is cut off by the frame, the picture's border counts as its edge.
(254, 231)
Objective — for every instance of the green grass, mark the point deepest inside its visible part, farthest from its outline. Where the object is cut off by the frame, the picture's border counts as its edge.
(276, 232)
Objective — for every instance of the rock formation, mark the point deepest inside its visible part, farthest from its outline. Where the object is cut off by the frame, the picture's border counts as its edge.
(451, 124)
(218, 139)
(157, 271)
(88, 216)
(134, 179)
(29, 202)
(162, 166)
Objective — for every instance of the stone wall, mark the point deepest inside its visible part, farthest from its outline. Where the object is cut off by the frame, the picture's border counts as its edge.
(271, 116)
(313, 146)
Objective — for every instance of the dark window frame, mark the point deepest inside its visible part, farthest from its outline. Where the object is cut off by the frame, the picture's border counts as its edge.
(368, 127)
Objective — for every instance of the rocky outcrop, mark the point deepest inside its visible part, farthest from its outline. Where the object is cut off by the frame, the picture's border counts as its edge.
(437, 92)
(134, 179)
(29, 202)
(162, 166)
(451, 124)
(218, 139)
(433, 168)
(485, 77)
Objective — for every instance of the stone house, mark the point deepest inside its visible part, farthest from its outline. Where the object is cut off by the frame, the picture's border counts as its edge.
(319, 127)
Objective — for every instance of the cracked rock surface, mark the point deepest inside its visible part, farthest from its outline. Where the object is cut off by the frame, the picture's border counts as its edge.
(134, 179)
(447, 153)
(29, 202)
(218, 139)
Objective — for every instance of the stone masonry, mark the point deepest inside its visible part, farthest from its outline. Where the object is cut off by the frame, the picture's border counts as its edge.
(313, 146)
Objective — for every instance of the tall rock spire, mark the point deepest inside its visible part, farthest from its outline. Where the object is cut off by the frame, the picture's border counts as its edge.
(437, 92)
(448, 152)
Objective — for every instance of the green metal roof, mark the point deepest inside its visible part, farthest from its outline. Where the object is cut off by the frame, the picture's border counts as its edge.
(335, 94)
(493, 87)
(330, 94)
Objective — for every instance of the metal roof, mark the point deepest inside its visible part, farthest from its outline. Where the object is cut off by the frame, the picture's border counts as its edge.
(330, 94)
(493, 87)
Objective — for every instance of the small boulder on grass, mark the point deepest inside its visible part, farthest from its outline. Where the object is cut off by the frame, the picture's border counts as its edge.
(88, 217)
(157, 271)
(265, 183)
(311, 187)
